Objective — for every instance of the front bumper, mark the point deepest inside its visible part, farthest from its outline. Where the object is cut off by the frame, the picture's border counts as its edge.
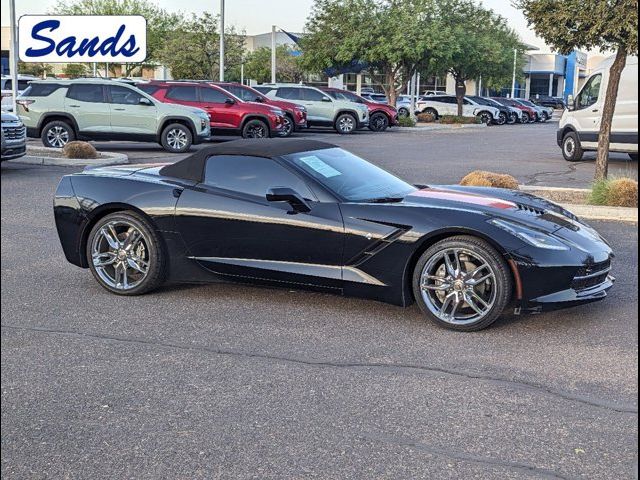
(11, 151)
(569, 297)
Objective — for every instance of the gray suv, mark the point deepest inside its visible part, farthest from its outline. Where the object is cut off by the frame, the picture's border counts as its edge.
(14, 140)
(59, 111)
(322, 110)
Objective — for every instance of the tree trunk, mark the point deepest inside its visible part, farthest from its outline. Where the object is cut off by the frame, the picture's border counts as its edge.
(602, 160)
(391, 89)
(461, 91)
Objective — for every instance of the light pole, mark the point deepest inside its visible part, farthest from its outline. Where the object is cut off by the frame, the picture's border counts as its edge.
(14, 55)
(513, 81)
(222, 40)
(273, 54)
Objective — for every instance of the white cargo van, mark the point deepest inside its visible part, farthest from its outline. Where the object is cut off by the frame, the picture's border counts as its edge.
(580, 123)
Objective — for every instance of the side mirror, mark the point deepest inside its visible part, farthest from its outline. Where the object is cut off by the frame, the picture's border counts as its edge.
(145, 101)
(259, 100)
(290, 196)
(326, 99)
(571, 103)
(230, 101)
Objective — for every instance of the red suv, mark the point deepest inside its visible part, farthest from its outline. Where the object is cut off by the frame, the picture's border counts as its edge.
(295, 116)
(381, 115)
(228, 114)
(529, 115)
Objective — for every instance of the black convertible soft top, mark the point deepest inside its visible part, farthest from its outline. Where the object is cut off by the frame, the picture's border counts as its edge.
(192, 167)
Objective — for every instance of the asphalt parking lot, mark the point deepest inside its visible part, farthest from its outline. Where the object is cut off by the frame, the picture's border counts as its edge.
(228, 381)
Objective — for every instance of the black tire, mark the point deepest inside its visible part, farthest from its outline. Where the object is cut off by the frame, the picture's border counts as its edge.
(255, 128)
(345, 123)
(571, 148)
(288, 128)
(176, 138)
(513, 118)
(502, 119)
(485, 117)
(526, 118)
(153, 248)
(57, 133)
(501, 289)
(633, 156)
(378, 122)
(403, 112)
(544, 117)
(534, 118)
(431, 111)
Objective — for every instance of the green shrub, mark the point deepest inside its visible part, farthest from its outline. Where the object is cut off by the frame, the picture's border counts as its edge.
(456, 120)
(615, 192)
(406, 122)
(77, 149)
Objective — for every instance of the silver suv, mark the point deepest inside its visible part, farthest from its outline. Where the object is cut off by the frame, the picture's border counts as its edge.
(322, 110)
(59, 111)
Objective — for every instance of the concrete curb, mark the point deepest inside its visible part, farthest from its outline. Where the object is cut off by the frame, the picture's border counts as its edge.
(38, 156)
(428, 128)
(591, 212)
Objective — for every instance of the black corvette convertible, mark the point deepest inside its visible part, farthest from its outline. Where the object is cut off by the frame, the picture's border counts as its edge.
(311, 215)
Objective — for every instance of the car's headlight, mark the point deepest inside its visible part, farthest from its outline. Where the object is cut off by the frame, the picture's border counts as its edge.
(529, 235)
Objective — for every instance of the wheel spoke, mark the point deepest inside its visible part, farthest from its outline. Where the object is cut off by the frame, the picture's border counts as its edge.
(133, 235)
(103, 259)
(137, 264)
(109, 234)
(478, 281)
(472, 304)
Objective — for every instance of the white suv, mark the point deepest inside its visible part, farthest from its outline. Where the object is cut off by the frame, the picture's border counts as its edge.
(438, 105)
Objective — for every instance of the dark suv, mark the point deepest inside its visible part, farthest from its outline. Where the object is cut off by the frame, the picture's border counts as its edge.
(229, 114)
(295, 115)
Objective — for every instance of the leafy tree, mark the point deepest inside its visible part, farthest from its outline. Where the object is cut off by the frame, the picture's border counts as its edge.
(481, 45)
(610, 25)
(75, 70)
(35, 69)
(394, 37)
(257, 65)
(159, 22)
(193, 49)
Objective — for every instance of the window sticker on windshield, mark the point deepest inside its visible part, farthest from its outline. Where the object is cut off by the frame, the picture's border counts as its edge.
(324, 169)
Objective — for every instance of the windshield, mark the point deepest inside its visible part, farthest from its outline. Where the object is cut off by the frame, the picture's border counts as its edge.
(345, 95)
(527, 103)
(349, 176)
(244, 93)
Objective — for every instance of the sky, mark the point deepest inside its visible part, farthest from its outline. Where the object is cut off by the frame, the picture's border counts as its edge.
(257, 16)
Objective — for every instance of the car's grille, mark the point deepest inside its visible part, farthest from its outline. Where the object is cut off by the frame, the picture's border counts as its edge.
(14, 133)
(591, 275)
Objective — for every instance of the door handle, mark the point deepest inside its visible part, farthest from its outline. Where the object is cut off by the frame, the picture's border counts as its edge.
(75, 106)
(595, 111)
(119, 109)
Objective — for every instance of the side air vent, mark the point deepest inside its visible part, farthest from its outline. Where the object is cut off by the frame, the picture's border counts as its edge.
(529, 209)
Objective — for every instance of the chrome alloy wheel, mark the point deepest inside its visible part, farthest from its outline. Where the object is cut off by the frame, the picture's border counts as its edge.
(177, 139)
(256, 131)
(287, 128)
(57, 136)
(346, 124)
(120, 255)
(458, 286)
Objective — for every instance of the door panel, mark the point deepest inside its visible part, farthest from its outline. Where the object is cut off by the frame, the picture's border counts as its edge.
(128, 115)
(87, 103)
(223, 115)
(233, 234)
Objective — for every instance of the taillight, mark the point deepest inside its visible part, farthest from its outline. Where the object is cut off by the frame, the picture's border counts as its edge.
(25, 104)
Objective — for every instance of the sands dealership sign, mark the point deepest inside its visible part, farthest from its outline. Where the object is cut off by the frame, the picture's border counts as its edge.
(82, 38)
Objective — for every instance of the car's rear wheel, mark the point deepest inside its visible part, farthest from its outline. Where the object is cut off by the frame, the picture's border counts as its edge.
(345, 123)
(176, 138)
(462, 283)
(431, 111)
(125, 254)
(571, 148)
(544, 117)
(57, 134)
(513, 118)
(526, 118)
(378, 122)
(288, 127)
(255, 129)
(403, 112)
(502, 118)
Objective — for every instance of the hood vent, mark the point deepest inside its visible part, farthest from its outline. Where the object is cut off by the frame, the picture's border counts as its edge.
(529, 209)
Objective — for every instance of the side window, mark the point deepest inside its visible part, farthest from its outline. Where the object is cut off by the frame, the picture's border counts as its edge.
(22, 84)
(182, 93)
(211, 95)
(41, 89)
(251, 175)
(124, 95)
(590, 93)
(289, 93)
(313, 95)
(85, 92)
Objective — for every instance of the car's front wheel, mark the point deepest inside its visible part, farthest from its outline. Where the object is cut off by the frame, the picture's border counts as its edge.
(57, 134)
(485, 117)
(378, 122)
(513, 118)
(462, 283)
(544, 117)
(502, 118)
(571, 148)
(345, 123)
(125, 254)
(255, 129)
(287, 128)
(525, 118)
(176, 138)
